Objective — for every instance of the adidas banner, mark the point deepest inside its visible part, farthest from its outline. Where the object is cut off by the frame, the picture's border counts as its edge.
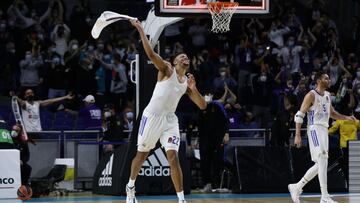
(112, 173)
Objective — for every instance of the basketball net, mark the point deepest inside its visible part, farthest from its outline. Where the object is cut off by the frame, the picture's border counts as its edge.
(221, 13)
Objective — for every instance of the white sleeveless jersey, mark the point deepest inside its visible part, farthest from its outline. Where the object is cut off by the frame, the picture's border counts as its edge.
(31, 116)
(319, 112)
(166, 95)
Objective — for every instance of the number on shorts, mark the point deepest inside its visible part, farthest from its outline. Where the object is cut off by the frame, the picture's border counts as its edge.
(175, 140)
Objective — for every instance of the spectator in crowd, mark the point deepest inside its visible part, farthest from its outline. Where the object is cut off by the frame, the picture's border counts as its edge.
(112, 127)
(31, 109)
(60, 36)
(224, 78)
(347, 130)
(23, 147)
(213, 132)
(249, 123)
(118, 82)
(30, 68)
(89, 115)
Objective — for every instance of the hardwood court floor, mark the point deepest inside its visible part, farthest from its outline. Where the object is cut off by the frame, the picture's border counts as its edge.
(206, 198)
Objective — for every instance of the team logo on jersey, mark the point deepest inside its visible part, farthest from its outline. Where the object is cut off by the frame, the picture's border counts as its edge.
(155, 165)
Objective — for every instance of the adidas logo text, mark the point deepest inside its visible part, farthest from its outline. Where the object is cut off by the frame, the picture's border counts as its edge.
(106, 180)
(155, 165)
(154, 171)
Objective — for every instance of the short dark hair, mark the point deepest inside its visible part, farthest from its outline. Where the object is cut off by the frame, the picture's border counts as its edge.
(174, 57)
(319, 74)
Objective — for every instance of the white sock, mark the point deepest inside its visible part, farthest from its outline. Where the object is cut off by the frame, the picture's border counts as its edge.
(181, 195)
(309, 175)
(131, 183)
(322, 174)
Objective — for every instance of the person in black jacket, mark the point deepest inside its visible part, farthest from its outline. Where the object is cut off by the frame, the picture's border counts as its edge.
(112, 127)
(213, 133)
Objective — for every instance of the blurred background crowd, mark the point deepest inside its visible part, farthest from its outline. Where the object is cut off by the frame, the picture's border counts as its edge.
(259, 71)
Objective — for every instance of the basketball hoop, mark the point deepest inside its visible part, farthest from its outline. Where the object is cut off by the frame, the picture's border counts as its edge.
(221, 13)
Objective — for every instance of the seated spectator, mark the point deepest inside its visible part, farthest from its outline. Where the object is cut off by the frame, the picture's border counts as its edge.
(249, 123)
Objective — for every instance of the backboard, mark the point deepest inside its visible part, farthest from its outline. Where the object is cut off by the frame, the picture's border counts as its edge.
(184, 8)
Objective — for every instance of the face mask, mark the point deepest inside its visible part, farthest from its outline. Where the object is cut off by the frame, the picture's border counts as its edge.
(107, 114)
(30, 98)
(291, 43)
(344, 80)
(222, 60)
(167, 51)
(358, 74)
(74, 47)
(208, 98)
(129, 115)
(88, 20)
(263, 78)
(90, 48)
(223, 74)
(14, 134)
(28, 57)
(41, 36)
(260, 51)
(312, 77)
(53, 49)
(12, 51)
(56, 61)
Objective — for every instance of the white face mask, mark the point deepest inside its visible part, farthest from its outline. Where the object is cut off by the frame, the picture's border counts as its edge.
(358, 74)
(28, 57)
(129, 115)
(208, 98)
(14, 134)
(107, 114)
(223, 73)
(263, 78)
(74, 47)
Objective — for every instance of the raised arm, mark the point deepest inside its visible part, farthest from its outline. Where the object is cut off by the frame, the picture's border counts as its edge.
(21, 102)
(194, 94)
(52, 101)
(159, 63)
(300, 115)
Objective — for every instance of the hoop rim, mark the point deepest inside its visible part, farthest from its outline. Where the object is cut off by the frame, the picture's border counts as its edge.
(223, 4)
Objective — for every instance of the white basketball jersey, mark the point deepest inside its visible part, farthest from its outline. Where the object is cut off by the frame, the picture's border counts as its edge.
(31, 116)
(319, 112)
(166, 95)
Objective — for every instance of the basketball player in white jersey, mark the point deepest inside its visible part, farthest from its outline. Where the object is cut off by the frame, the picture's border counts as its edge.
(159, 121)
(317, 105)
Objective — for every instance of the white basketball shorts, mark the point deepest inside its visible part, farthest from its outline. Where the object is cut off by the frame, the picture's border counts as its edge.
(318, 138)
(155, 127)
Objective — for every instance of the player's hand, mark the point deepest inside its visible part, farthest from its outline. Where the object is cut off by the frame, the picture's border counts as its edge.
(297, 141)
(191, 81)
(136, 24)
(351, 118)
(70, 96)
(226, 138)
